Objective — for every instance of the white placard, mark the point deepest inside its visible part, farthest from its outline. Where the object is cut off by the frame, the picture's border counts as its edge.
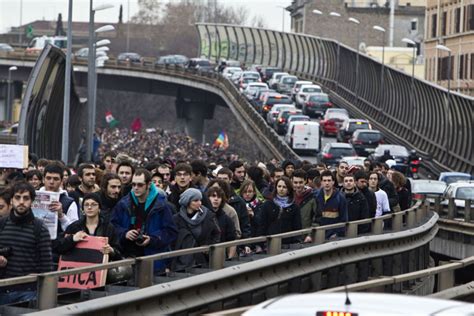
(13, 156)
(41, 210)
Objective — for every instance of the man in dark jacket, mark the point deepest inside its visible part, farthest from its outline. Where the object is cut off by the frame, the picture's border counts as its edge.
(143, 220)
(29, 243)
(361, 179)
(110, 188)
(288, 167)
(332, 206)
(357, 206)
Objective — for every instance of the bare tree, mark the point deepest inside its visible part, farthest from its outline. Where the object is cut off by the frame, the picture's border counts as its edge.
(258, 21)
(148, 12)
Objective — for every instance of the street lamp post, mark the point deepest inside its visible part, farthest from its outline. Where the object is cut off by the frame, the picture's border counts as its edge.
(67, 89)
(9, 105)
(382, 71)
(91, 73)
(357, 22)
(282, 17)
(448, 97)
(412, 98)
(338, 53)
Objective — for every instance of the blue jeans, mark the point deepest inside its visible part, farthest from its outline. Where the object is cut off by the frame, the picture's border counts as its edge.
(17, 296)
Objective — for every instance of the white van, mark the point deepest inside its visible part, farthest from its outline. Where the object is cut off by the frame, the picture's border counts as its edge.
(38, 43)
(304, 136)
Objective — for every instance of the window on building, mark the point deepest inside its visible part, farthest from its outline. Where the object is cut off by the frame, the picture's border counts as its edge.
(461, 67)
(470, 17)
(472, 66)
(434, 21)
(443, 64)
(444, 21)
(414, 24)
(457, 20)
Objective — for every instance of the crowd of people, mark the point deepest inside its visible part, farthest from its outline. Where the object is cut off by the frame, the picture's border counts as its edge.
(147, 206)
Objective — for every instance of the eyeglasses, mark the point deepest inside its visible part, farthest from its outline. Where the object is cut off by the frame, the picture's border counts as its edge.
(92, 205)
(140, 185)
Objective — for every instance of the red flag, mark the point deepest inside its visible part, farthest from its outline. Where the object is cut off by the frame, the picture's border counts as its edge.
(136, 125)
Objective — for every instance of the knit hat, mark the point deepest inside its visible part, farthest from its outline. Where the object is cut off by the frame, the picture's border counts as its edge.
(92, 196)
(189, 195)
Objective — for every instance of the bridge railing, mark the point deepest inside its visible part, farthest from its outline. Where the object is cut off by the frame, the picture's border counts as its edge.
(47, 283)
(447, 208)
(424, 116)
(311, 269)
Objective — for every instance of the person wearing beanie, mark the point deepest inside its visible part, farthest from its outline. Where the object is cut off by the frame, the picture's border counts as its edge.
(197, 226)
(91, 224)
(288, 167)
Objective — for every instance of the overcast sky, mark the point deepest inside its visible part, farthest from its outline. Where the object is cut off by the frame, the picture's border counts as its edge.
(48, 10)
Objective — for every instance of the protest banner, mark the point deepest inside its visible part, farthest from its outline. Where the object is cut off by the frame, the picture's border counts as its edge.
(86, 253)
(41, 210)
(13, 156)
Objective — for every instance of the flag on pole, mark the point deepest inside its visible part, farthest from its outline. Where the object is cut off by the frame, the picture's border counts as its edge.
(109, 118)
(136, 125)
(222, 141)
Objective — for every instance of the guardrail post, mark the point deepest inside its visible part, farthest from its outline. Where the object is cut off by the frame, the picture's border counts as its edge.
(143, 273)
(47, 292)
(411, 219)
(351, 230)
(273, 245)
(216, 257)
(451, 208)
(421, 212)
(445, 279)
(437, 205)
(467, 211)
(397, 222)
(377, 226)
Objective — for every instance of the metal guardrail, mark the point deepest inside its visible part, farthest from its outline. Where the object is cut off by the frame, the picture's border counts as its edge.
(267, 136)
(312, 268)
(419, 116)
(47, 282)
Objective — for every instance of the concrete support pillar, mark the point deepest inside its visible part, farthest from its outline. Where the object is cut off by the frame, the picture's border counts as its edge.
(194, 113)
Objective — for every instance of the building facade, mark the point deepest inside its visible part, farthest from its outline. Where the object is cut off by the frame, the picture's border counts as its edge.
(409, 21)
(450, 23)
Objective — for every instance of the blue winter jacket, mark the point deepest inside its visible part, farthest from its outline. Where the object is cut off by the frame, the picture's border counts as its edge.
(333, 211)
(159, 224)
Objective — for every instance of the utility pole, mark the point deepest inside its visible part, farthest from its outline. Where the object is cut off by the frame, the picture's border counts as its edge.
(67, 89)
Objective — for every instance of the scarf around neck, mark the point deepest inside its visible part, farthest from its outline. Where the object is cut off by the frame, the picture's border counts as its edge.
(283, 202)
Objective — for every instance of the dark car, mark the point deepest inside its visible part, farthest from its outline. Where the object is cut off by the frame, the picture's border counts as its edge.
(273, 98)
(281, 123)
(258, 98)
(130, 57)
(317, 104)
(365, 141)
(200, 64)
(349, 126)
(333, 152)
(268, 73)
(399, 157)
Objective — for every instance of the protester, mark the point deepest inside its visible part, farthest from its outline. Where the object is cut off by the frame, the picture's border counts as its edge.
(28, 242)
(218, 199)
(5, 203)
(304, 198)
(383, 206)
(361, 178)
(143, 220)
(35, 178)
(357, 207)
(248, 191)
(109, 194)
(91, 224)
(197, 227)
(125, 170)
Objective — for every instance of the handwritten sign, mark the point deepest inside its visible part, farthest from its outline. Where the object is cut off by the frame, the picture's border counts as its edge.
(86, 253)
(41, 210)
(13, 156)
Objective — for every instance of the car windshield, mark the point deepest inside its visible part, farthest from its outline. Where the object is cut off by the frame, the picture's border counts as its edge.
(299, 118)
(286, 114)
(372, 137)
(466, 193)
(289, 80)
(456, 178)
(319, 98)
(251, 75)
(337, 116)
(358, 125)
(428, 187)
(340, 152)
(204, 63)
(311, 90)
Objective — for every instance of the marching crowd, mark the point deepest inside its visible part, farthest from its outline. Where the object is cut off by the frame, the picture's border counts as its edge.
(171, 204)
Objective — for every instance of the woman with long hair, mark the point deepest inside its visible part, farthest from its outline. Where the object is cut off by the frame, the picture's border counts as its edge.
(280, 214)
(248, 191)
(218, 199)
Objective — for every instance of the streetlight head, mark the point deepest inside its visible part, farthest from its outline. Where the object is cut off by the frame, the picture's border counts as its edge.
(317, 12)
(105, 28)
(378, 28)
(102, 49)
(103, 6)
(353, 20)
(442, 47)
(12, 68)
(102, 42)
(408, 41)
(102, 58)
(335, 14)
